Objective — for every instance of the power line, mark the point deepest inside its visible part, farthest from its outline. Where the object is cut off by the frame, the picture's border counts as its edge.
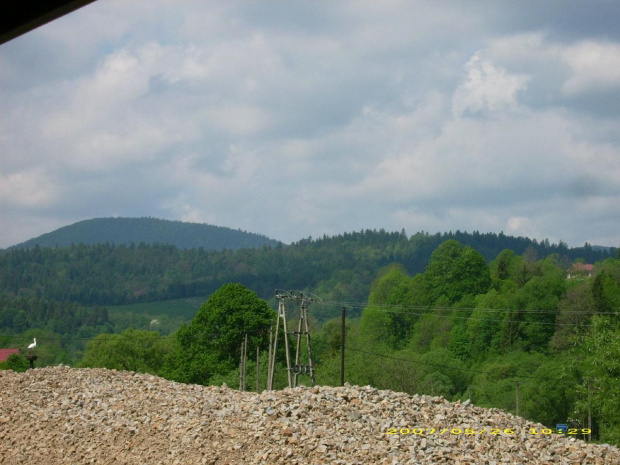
(471, 370)
(488, 319)
(116, 336)
(384, 309)
(418, 362)
(364, 305)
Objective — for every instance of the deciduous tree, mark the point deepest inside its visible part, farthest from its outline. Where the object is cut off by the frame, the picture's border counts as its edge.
(210, 343)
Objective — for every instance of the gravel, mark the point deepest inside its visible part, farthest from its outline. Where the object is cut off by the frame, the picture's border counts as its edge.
(65, 415)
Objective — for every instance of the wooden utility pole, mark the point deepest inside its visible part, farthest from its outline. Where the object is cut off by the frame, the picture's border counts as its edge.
(241, 369)
(244, 348)
(517, 394)
(589, 412)
(298, 333)
(268, 387)
(303, 328)
(31, 358)
(342, 339)
(257, 369)
(245, 358)
(281, 317)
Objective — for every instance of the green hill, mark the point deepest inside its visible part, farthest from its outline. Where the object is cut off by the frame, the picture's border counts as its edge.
(149, 231)
(339, 268)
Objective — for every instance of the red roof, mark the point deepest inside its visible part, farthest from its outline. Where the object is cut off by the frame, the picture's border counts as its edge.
(6, 353)
(582, 267)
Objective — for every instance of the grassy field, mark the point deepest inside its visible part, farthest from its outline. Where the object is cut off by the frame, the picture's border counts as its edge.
(185, 308)
(164, 316)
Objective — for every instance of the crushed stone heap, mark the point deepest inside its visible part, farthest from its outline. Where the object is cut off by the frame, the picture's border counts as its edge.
(64, 415)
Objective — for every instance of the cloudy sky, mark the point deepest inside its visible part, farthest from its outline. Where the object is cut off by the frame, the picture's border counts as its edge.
(296, 119)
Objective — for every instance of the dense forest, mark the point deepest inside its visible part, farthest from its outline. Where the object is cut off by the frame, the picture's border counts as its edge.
(149, 231)
(464, 329)
(337, 268)
(485, 317)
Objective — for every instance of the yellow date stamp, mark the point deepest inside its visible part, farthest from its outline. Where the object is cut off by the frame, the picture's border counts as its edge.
(478, 431)
(449, 431)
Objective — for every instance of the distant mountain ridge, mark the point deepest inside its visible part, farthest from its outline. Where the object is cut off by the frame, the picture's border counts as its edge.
(149, 231)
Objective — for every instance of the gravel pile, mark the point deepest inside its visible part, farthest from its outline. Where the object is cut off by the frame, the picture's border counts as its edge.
(65, 415)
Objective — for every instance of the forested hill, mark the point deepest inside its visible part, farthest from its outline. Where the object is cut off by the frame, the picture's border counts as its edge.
(338, 268)
(149, 231)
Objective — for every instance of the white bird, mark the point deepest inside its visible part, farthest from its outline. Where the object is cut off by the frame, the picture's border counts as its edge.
(34, 344)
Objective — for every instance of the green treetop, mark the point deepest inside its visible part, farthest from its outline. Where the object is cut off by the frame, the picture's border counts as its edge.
(455, 271)
(210, 344)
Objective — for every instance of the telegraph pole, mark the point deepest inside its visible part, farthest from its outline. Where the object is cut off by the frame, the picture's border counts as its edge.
(303, 328)
(342, 338)
(268, 387)
(257, 369)
(244, 349)
(589, 412)
(245, 358)
(281, 295)
(241, 369)
(517, 394)
(298, 333)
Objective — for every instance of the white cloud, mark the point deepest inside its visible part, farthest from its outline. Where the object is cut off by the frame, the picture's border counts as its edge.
(239, 119)
(29, 189)
(521, 226)
(105, 120)
(594, 65)
(192, 214)
(487, 87)
(520, 48)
